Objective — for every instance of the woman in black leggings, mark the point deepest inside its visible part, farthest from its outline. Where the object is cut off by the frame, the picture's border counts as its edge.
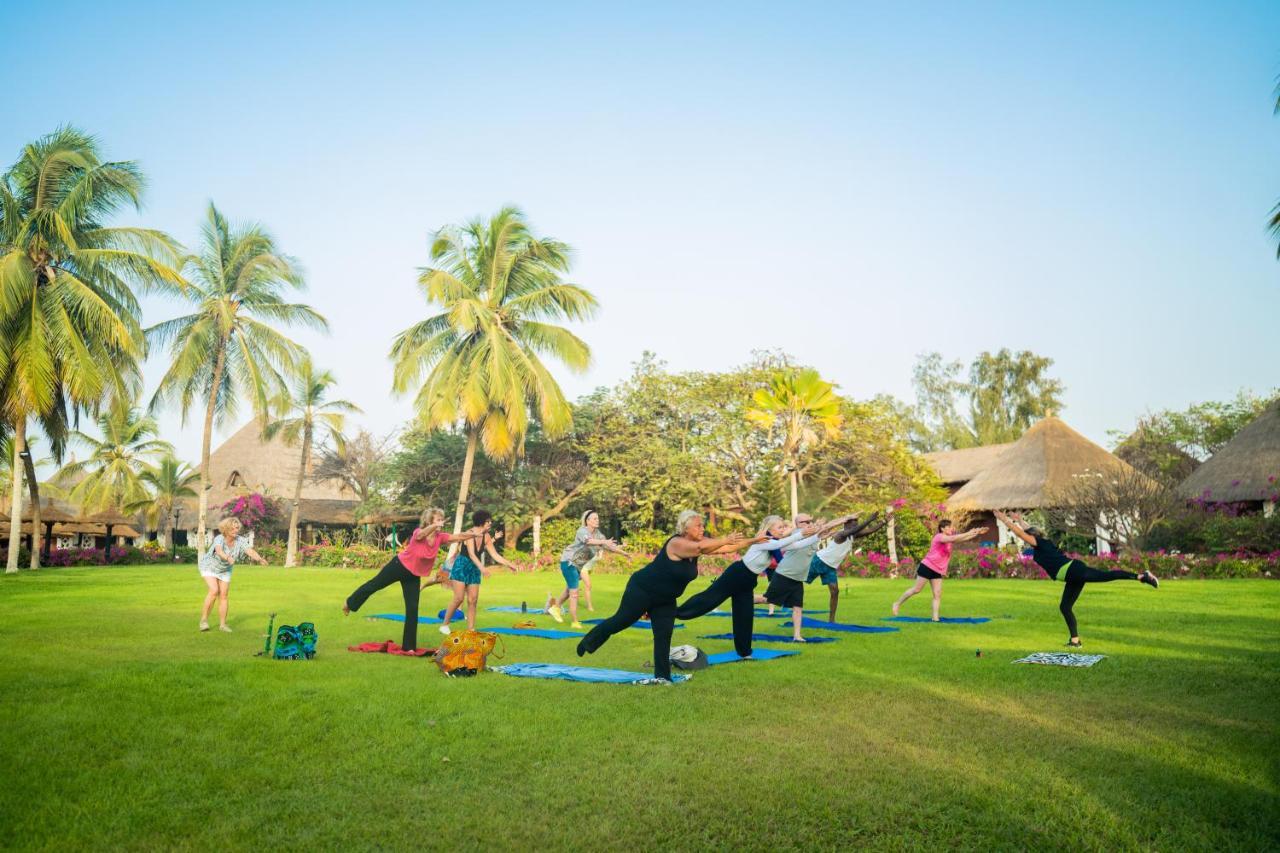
(1073, 573)
(655, 588)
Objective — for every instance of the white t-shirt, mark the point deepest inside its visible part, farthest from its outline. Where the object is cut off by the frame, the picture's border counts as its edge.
(758, 556)
(833, 555)
(795, 563)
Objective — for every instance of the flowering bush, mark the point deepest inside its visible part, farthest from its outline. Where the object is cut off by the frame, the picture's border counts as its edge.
(259, 513)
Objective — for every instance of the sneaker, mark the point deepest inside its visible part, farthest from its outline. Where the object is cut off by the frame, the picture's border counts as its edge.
(577, 626)
(1149, 579)
(1074, 644)
(226, 629)
(444, 629)
(554, 612)
(799, 640)
(204, 626)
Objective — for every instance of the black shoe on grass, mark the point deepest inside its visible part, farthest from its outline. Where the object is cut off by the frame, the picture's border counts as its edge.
(1074, 644)
(1150, 580)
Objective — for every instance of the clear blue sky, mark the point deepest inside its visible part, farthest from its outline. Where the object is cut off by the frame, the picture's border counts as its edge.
(854, 185)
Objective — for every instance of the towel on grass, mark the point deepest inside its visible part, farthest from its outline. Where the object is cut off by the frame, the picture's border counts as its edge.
(1061, 659)
(391, 648)
(756, 654)
(771, 638)
(591, 674)
(946, 620)
(841, 626)
(544, 633)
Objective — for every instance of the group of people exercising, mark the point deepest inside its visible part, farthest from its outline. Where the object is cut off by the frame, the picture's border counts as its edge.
(791, 554)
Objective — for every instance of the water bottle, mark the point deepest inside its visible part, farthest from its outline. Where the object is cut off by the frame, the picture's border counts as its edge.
(524, 607)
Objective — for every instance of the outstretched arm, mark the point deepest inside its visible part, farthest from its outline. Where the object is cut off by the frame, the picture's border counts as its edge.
(253, 555)
(498, 558)
(1015, 528)
(683, 548)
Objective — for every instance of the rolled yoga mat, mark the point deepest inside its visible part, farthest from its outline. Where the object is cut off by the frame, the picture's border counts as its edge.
(945, 620)
(840, 626)
(590, 674)
(770, 638)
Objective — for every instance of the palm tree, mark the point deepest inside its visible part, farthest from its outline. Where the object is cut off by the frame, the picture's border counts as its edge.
(70, 332)
(168, 481)
(500, 291)
(304, 412)
(805, 409)
(228, 348)
(111, 476)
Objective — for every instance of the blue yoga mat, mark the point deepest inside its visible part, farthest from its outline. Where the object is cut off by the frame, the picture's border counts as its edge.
(756, 654)
(399, 617)
(948, 620)
(544, 633)
(511, 608)
(643, 625)
(762, 613)
(840, 626)
(592, 674)
(770, 638)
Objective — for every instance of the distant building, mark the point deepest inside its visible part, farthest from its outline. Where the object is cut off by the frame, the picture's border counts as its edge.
(1246, 471)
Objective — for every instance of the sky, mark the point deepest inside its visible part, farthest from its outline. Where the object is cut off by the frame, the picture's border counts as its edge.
(854, 184)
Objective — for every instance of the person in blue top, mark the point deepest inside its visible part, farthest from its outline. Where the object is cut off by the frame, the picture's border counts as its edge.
(1074, 574)
(228, 548)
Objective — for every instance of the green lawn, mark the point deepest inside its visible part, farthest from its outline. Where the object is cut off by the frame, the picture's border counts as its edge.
(124, 727)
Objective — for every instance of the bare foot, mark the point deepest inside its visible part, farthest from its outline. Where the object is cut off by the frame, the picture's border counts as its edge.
(895, 608)
(799, 640)
(346, 611)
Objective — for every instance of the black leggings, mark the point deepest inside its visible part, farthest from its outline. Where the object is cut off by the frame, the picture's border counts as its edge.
(637, 601)
(736, 583)
(1078, 574)
(394, 572)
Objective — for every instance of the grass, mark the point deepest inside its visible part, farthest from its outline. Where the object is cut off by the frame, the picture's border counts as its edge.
(123, 727)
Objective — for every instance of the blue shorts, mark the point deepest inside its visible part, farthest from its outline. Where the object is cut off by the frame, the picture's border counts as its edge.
(819, 569)
(465, 571)
(571, 574)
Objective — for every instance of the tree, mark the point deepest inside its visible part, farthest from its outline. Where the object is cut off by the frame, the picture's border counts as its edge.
(358, 462)
(1003, 395)
(1125, 505)
(303, 412)
(803, 409)
(168, 481)
(227, 348)
(111, 476)
(70, 332)
(1273, 225)
(501, 290)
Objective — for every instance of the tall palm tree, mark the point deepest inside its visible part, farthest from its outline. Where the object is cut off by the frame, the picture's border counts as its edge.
(303, 412)
(227, 348)
(168, 481)
(70, 332)
(500, 291)
(111, 475)
(804, 409)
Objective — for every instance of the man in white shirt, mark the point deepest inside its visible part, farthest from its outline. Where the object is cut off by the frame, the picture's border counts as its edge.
(827, 560)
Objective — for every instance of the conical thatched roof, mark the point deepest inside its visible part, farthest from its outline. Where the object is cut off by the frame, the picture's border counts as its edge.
(1246, 469)
(961, 466)
(1041, 464)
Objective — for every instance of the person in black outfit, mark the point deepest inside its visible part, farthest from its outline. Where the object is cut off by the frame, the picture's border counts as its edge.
(655, 588)
(1073, 573)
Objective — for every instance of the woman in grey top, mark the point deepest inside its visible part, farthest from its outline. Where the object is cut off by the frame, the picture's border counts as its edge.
(586, 546)
(228, 548)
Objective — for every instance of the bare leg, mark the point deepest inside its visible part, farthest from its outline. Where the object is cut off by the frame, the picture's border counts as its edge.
(797, 616)
(223, 591)
(586, 590)
(209, 599)
(473, 599)
(459, 591)
(835, 599)
(919, 585)
(573, 605)
(936, 583)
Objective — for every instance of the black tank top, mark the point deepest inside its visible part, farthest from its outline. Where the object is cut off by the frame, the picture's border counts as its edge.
(665, 577)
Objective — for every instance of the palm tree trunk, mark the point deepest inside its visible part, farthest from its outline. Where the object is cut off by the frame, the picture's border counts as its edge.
(795, 500)
(473, 438)
(30, 466)
(15, 493)
(218, 366)
(291, 554)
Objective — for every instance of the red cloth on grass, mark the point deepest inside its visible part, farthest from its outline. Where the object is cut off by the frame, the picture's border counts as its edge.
(392, 648)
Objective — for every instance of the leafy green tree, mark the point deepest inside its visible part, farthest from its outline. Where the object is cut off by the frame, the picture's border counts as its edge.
(479, 361)
(302, 414)
(803, 410)
(111, 475)
(767, 496)
(70, 333)
(168, 481)
(228, 347)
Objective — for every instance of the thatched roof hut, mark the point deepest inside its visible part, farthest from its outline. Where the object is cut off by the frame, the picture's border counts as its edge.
(1246, 469)
(247, 462)
(957, 467)
(1035, 468)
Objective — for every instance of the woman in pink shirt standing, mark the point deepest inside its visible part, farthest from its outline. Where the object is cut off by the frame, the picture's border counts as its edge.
(414, 562)
(933, 568)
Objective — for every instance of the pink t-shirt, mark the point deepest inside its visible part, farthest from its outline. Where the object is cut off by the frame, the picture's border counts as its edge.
(419, 555)
(939, 555)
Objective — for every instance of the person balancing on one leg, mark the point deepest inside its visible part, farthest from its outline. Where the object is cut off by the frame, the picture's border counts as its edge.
(586, 546)
(825, 563)
(1074, 574)
(787, 587)
(933, 568)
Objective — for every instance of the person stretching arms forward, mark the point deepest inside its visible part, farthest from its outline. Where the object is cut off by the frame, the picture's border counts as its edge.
(825, 563)
(467, 571)
(933, 568)
(1073, 573)
(586, 546)
(787, 587)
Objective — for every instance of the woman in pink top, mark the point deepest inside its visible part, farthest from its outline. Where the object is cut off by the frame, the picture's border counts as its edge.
(933, 568)
(415, 561)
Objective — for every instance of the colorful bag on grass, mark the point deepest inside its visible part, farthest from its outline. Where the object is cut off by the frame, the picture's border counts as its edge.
(307, 638)
(288, 644)
(465, 653)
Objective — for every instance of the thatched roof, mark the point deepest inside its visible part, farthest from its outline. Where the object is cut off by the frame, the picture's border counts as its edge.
(246, 462)
(1043, 463)
(392, 516)
(1247, 468)
(961, 466)
(51, 509)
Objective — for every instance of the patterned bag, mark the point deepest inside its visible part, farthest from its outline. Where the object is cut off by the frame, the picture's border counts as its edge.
(307, 638)
(465, 653)
(288, 644)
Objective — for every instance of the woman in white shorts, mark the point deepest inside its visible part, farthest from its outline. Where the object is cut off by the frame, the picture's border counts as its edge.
(228, 548)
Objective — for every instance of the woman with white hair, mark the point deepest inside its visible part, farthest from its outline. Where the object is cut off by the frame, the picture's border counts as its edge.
(655, 588)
